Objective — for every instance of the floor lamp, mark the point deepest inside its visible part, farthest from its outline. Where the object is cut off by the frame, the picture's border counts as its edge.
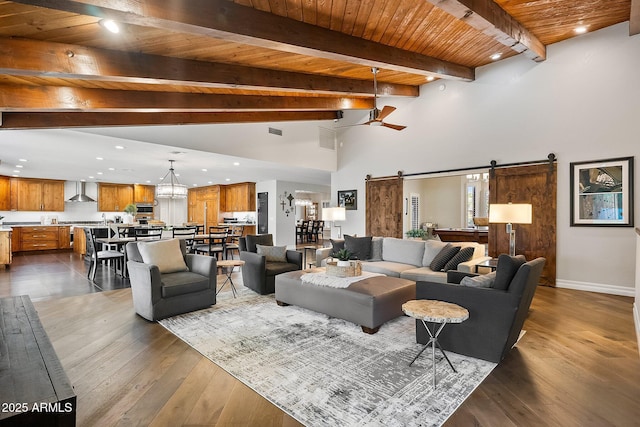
(335, 214)
(511, 213)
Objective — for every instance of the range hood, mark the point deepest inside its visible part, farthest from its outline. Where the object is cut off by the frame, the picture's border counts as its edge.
(80, 194)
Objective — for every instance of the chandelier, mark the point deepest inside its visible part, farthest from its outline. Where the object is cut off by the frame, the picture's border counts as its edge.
(171, 188)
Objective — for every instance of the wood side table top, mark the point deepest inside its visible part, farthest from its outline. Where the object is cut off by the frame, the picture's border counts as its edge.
(435, 311)
(230, 263)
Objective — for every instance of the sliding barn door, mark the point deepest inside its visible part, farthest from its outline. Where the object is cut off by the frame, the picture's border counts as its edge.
(527, 184)
(384, 207)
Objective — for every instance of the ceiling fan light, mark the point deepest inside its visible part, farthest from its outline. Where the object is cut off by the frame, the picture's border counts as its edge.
(376, 123)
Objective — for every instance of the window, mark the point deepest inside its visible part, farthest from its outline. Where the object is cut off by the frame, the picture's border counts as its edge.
(415, 211)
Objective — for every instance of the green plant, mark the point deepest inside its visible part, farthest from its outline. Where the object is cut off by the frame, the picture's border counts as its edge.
(343, 255)
(131, 209)
(416, 232)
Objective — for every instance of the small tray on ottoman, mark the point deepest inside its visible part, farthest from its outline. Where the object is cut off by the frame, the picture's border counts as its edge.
(354, 269)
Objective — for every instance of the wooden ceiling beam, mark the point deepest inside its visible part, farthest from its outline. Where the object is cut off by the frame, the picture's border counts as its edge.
(634, 18)
(58, 99)
(229, 21)
(45, 59)
(80, 119)
(489, 18)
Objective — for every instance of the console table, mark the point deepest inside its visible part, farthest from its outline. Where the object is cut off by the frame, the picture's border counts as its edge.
(463, 235)
(35, 389)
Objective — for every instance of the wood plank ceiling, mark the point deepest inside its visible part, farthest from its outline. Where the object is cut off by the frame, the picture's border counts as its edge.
(212, 61)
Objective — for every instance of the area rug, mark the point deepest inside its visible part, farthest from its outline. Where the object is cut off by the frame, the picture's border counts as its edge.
(325, 371)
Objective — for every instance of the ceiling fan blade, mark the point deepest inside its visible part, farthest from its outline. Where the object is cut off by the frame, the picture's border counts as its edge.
(392, 126)
(386, 110)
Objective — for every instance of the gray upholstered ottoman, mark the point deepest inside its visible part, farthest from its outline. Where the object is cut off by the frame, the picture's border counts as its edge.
(368, 303)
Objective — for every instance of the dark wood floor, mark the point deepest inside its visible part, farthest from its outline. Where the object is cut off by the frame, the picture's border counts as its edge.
(577, 365)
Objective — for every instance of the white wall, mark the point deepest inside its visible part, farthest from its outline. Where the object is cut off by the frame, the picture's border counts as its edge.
(581, 104)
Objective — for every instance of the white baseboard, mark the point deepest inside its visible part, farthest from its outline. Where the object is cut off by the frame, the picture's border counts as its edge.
(625, 291)
(636, 320)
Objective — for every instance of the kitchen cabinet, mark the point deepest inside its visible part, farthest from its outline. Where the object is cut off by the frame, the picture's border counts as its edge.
(114, 197)
(64, 237)
(38, 238)
(5, 193)
(203, 205)
(144, 193)
(5, 247)
(239, 197)
(15, 239)
(38, 195)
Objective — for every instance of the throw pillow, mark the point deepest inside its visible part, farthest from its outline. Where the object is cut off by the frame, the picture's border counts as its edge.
(272, 253)
(360, 247)
(431, 249)
(464, 254)
(443, 257)
(337, 245)
(481, 281)
(506, 268)
(166, 254)
(376, 249)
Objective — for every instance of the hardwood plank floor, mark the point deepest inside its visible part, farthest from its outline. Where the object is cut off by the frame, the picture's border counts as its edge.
(577, 365)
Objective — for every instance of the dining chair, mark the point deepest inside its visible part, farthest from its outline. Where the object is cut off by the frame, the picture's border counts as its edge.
(216, 242)
(188, 234)
(97, 256)
(148, 233)
(233, 241)
(301, 231)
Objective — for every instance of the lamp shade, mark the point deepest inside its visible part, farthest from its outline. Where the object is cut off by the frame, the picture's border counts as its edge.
(334, 214)
(513, 213)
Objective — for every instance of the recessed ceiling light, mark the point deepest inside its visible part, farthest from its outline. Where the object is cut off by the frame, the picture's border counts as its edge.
(204, 170)
(99, 173)
(119, 147)
(147, 181)
(430, 78)
(580, 30)
(210, 182)
(236, 163)
(83, 180)
(91, 177)
(110, 25)
(15, 176)
(99, 158)
(195, 185)
(19, 166)
(16, 171)
(112, 169)
(22, 160)
(227, 179)
(496, 56)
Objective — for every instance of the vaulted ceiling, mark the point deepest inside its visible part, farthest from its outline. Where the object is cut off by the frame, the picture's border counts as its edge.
(217, 61)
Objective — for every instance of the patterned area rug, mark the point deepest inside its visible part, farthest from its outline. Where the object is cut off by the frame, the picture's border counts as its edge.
(325, 371)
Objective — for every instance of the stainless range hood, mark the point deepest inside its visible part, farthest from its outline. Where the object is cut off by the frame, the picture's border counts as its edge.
(80, 194)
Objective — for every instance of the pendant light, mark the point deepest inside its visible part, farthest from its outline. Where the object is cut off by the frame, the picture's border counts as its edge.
(170, 188)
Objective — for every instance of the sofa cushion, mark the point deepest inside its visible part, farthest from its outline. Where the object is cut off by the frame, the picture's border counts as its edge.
(360, 247)
(166, 254)
(432, 248)
(424, 274)
(376, 249)
(272, 253)
(391, 269)
(480, 281)
(275, 268)
(443, 257)
(463, 255)
(183, 282)
(258, 239)
(403, 251)
(506, 268)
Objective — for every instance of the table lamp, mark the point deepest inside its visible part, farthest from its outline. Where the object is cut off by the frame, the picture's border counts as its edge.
(335, 214)
(511, 213)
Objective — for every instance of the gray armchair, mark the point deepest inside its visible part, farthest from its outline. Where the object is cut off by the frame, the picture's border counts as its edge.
(156, 295)
(258, 273)
(496, 316)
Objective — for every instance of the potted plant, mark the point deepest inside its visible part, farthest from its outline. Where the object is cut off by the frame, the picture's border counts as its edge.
(131, 211)
(343, 256)
(416, 233)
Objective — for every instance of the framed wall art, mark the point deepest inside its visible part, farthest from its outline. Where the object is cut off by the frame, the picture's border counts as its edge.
(602, 193)
(348, 199)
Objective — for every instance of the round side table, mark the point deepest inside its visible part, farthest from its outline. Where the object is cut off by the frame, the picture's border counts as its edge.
(227, 265)
(436, 312)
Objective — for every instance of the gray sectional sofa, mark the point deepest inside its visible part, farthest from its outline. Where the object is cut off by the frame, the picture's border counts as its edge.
(409, 259)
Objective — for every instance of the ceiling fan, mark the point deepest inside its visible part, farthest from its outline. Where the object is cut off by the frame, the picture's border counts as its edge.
(376, 116)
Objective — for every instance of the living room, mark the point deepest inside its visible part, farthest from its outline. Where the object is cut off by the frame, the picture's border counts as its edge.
(580, 104)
